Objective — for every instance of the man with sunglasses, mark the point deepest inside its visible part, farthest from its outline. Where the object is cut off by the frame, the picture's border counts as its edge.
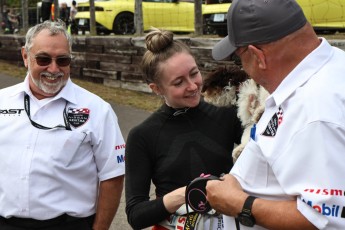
(290, 174)
(62, 151)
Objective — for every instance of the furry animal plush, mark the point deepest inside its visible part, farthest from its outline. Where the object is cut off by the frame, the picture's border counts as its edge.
(251, 105)
(232, 87)
(220, 87)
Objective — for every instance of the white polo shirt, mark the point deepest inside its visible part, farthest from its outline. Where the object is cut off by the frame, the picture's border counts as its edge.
(299, 148)
(45, 173)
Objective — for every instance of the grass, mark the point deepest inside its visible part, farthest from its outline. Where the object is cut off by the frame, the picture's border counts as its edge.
(145, 101)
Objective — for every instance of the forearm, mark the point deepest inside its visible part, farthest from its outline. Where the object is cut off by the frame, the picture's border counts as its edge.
(143, 212)
(174, 200)
(279, 215)
(227, 197)
(108, 202)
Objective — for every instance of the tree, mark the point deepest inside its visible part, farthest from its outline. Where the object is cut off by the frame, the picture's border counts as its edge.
(198, 19)
(1, 10)
(17, 3)
(25, 15)
(138, 18)
(93, 30)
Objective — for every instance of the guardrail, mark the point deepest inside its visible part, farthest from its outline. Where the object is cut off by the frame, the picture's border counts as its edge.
(114, 61)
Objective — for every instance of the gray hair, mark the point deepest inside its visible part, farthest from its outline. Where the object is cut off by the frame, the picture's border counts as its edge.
(54, 27)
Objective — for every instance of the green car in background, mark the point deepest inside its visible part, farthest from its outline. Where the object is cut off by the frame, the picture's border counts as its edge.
(117, 16)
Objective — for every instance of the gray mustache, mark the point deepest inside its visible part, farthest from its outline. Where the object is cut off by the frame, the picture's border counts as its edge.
(54, 75)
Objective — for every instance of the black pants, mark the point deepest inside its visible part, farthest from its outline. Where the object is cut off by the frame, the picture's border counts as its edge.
(63, 222)
(74, 27)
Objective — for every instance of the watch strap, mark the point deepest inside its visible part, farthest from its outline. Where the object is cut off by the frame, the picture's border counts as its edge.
(245, 217)
(248, 204)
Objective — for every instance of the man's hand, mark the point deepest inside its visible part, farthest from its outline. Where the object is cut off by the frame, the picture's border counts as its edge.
(226, 195)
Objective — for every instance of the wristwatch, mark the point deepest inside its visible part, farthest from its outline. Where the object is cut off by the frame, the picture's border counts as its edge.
(245, 217)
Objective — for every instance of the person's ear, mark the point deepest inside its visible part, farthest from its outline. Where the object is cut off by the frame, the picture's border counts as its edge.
(25, 57)
(259, 56)
(154, 87)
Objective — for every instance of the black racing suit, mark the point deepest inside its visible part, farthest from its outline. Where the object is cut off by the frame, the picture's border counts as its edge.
(171, 148)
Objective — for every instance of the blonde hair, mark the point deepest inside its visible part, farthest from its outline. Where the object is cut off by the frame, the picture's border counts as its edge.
(160, 46)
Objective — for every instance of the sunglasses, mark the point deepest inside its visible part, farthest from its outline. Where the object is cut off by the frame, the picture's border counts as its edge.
(46, 60)
(236, 58)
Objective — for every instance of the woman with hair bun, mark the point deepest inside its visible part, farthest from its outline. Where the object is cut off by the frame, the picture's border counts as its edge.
(184, 138)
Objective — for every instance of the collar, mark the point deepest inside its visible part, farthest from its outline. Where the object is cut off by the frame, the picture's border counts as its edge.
(305, 70)
(177, 112)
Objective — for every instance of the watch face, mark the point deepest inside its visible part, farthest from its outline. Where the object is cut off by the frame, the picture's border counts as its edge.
(246, 220)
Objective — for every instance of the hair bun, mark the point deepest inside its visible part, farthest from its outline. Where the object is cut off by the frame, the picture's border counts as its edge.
(158, 40)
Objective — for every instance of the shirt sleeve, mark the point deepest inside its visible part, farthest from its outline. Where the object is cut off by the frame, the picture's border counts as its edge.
(311, 167)
(109, 146)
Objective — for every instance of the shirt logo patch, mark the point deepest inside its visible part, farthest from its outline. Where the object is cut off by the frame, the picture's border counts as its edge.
(11, 112)
(273, 124)
(78, 117)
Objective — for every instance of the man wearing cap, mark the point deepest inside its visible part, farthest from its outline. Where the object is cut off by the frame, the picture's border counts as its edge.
(290, 174)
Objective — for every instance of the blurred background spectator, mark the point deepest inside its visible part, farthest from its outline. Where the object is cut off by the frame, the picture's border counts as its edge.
(46, 9)
(10, 20)
(73, 13)
(64, 13)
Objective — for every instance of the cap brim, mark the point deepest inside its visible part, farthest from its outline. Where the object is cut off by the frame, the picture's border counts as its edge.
(223, 49)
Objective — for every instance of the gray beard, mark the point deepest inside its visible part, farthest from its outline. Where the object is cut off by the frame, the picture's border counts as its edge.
(46, 87)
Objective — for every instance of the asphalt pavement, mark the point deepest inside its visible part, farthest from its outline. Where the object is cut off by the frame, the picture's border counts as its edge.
(128, 118)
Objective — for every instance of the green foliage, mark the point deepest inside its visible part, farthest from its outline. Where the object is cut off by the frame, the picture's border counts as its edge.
(18, 3)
